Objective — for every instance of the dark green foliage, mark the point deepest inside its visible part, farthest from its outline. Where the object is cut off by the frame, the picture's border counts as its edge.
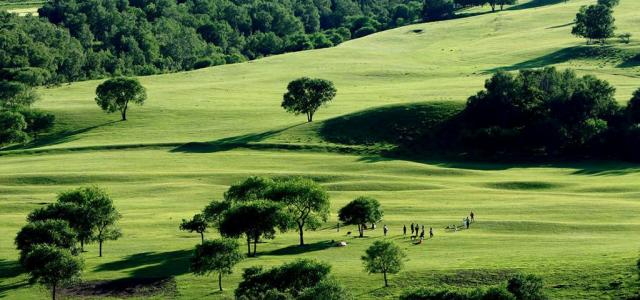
(214, 211)
(306, 95)
(492, 293)
(291, 278)
(633, 107)
(51, 232)
(254, 219)
(73, 213)
(360, 211)
(364, 31)
(217, 256)
(384, 257)
(609, 3)
(37, 121)
(307, 203)
(327, 289)
(252, 188)
(526, 287)
(545, 111)
(197, 224)
(594, 22)
(52, 266)
(12, 128)
(496, 293)
(113, 37)
(434, 10)
(115, 95)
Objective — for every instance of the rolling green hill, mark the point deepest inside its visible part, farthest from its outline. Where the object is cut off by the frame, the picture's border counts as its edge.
(575, 224)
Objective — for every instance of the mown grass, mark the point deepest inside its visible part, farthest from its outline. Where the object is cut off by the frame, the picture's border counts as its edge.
(572, 223)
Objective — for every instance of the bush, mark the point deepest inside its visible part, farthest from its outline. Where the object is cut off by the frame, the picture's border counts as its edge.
(290, 278)
(364, 31)
(625, 38)
(37, 121)
(328, 289)
(526, 287)
(437, 294)
(320, 40)
(12, 127)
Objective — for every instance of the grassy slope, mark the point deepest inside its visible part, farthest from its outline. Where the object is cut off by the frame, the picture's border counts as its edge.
(573, 223)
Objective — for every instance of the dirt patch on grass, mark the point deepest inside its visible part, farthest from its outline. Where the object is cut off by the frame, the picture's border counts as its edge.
(476, 277)
(122, 288)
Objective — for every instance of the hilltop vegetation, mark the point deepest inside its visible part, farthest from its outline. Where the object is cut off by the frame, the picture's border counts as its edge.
(202, 131)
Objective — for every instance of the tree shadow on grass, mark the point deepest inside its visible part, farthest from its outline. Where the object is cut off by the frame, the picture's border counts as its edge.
(600, 53)
(297, 249)
(10, 269)
(534, 4)
(56, 138)
(151, 264)
(229, 143)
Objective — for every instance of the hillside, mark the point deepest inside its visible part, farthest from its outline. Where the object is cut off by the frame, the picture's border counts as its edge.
(573, 223)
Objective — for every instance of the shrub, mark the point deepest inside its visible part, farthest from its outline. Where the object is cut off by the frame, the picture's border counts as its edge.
(625, 37)
(526, 287)
(364, 31)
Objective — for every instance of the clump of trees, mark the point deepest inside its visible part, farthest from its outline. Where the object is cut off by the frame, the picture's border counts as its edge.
(596, 22)
(300, 279)
(48, 243)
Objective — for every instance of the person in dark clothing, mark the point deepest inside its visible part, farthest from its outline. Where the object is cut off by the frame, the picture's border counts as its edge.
(412, 229)
(472, 216)
(404, 230)
(386, 229)
(422, 236)
(430, 232)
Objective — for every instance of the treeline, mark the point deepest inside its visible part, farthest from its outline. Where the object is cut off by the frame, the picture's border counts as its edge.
(539, 113)
(140, 37)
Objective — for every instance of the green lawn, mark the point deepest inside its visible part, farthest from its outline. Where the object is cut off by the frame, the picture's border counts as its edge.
(575, 224)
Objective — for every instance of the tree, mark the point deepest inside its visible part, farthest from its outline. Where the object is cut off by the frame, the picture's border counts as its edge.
(306, 95)
(290, 278)
(252, 188)
(216, 256)
(609, 3)
(214, 211)
(51, 232)
(116, 93)
(527, 287)
(327, 289)
(197, 224)
(594, 22)
(633, 107)
(52, 266)
(383, 257)
(434, 10)
(12, 128)
(306, 201)
(74, 214)
(254, 219)
(360, 211)
(99, 214)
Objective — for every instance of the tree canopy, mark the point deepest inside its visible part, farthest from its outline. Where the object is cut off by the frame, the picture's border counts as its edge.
(115, 95)
(52, 266)
(50, 232)
(383, 257)
(594, 22)
(219, 256)
(306, 95)
(197, 224)
(360, 211)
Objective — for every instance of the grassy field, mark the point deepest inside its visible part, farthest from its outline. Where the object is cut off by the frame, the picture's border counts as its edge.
(575, 224)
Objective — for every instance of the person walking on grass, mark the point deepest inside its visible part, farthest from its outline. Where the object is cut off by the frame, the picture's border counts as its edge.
(430, 232)
(472, 216)
(404, 230)
(385, 229)
(422, 236)
(411, 229)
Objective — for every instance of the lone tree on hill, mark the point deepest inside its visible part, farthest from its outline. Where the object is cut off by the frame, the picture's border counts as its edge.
(306, 95)
(594, 22)
(116, 93)
(633, 107)
(361, 211)
(52, 266)
(219, 256)
(306, 202)
(383, 257)
(197, 224)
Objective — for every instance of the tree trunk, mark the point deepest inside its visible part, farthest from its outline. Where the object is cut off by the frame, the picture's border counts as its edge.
(82, 245)
(53, 291)
(220, 281)
(255, 246)
(248, 245)
(361, 230)
(124, 111)
(309, 117)
(100, 243)
(202, 237)
(301, 229)
(386, 283)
